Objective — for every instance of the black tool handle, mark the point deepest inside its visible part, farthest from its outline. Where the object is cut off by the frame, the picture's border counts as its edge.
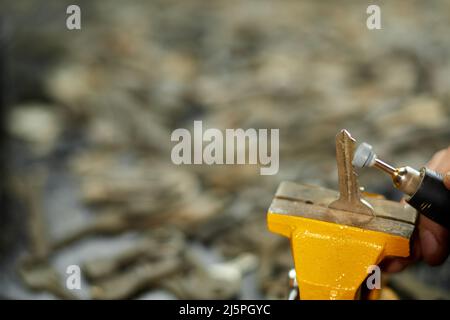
(432, 198)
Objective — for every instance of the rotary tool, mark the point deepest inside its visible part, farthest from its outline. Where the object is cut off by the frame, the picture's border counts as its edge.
(425, 188)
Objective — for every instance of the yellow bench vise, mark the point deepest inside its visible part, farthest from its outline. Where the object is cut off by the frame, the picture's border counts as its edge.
(336, 237)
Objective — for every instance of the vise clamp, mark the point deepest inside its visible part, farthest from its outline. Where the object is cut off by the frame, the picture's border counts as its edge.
(337, 237)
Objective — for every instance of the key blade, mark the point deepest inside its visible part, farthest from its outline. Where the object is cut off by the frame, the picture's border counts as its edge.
(350, 196)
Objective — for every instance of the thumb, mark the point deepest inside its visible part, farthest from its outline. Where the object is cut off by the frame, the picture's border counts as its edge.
(447, 180)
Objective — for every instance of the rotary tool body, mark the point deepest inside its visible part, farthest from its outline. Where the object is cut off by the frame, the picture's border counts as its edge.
(425, 188)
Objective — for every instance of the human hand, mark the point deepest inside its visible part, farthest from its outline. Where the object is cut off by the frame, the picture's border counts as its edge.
(430, 240)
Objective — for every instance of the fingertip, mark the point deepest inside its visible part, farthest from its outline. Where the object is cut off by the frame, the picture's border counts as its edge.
(435, 160)
(430, 246)
(433, 251)
(393, 265)
(447, 180)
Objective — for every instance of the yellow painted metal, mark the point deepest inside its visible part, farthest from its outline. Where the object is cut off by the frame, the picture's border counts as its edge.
(332, 260)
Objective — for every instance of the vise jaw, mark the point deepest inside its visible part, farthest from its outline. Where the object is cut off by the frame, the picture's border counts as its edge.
(336, 237)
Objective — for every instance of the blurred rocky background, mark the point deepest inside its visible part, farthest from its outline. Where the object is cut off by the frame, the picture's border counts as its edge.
(87, 115)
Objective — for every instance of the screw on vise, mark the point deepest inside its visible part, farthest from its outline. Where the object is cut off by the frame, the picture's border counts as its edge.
(350, 196)
(294, 293)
